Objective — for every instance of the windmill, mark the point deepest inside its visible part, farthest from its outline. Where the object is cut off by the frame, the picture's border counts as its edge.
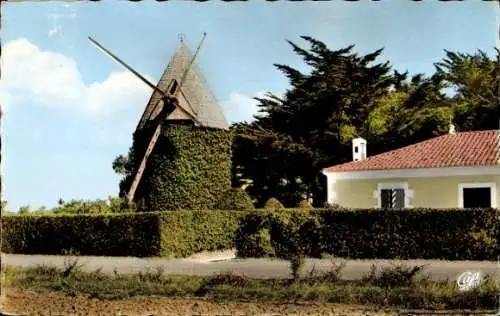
(175, 99)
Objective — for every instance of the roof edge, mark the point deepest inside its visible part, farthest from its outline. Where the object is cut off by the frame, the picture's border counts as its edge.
(417, 144)
(415, 172)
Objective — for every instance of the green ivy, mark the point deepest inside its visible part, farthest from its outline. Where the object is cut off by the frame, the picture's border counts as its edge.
(190, 168)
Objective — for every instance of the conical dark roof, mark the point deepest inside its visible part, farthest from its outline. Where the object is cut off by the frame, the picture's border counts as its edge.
(194, 96)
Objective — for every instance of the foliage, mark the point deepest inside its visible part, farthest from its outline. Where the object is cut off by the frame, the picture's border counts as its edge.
(304, 204)
(346, 95)
(273, 203)
(457, 234)
(474, 78)
(111, 235)
(296, 265)
(190, 168)
(24, 210)
(170, 234)
(231, 279)
(230, 287)
(5, 208)
(235, 199)
(282, 154)
(400, 275)
(188, 232)
(253, 238)
(99, 206)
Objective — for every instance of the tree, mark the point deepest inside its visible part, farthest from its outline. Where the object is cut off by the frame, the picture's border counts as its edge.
(416, 110)
(311, 127)
(121, 165)
(346, 95)
(24, 210)
(474, 79)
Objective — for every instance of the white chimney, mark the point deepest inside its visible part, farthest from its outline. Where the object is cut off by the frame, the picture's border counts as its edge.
(452, 129)
(358, 149)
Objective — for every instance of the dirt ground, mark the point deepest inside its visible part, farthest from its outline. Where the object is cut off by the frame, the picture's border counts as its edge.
(55, 304)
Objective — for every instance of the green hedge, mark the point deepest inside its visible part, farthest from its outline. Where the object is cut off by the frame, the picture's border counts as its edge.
(362, 234)
(110, 235)
(454, 234)
(168, 234)
(188, 232)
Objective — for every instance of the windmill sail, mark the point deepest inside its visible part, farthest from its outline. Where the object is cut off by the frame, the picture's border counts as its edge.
(194, 95)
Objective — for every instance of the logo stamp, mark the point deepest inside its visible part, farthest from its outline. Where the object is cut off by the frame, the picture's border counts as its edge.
(470, 280)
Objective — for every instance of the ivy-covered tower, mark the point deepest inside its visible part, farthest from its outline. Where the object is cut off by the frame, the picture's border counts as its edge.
(190, 164)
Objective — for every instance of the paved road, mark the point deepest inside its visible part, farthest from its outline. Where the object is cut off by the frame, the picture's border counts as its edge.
(255, 268)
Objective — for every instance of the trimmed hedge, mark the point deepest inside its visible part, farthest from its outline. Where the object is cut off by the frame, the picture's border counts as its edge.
(454, 234)
(110, 235)
(166, 234)
(187, 232)
(253, 238)
(362, 234)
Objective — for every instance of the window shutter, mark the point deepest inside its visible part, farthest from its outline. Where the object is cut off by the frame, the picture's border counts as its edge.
(392, 198)
(386, 198)
(398, 198)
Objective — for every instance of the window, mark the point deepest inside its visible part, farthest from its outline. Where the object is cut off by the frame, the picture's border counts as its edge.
(173, 86)
(356, 149)
(477, 195)
(392, 198)
(393, 195)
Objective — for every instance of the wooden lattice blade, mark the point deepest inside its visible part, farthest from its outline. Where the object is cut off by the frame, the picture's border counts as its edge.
(142, 166)
(123, 64)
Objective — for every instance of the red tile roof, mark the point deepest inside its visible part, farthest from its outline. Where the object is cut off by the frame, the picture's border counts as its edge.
(479, 148)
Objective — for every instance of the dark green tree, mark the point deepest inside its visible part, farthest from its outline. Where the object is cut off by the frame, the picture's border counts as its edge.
(474, 79)
(311, 127)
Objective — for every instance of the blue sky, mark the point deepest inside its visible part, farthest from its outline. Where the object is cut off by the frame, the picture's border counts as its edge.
(70, 110)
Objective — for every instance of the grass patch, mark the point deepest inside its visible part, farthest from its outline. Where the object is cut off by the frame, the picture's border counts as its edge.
(396, 287)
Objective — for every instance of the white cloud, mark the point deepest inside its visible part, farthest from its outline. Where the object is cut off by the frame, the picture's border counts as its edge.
(241, 107)
(32, 76)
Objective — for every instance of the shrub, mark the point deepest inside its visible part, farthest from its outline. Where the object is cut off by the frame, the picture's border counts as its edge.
(453, 234)
(399, 275)
(187, 232)
(231, 279)
(110, 235)
(168, 234)
(297, 262)
(236, 199)
(252, 238)
(273, 204)
(304, 204)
